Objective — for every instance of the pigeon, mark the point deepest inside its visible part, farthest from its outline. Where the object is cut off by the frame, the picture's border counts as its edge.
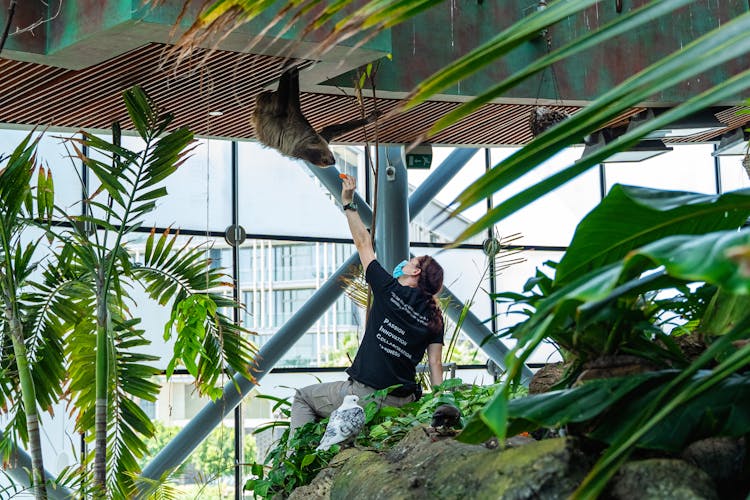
(345, 423)
(445, 419)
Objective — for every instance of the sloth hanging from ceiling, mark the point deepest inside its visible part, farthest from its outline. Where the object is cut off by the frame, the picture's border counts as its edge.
(280, 124)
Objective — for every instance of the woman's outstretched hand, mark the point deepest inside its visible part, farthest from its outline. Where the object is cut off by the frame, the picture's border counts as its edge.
(348, 185)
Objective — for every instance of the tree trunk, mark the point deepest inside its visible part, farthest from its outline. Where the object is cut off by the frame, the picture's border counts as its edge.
(102, 379)
(28, 395)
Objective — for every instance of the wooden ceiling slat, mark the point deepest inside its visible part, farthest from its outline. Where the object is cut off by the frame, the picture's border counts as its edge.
(63, 87)
(229, 81)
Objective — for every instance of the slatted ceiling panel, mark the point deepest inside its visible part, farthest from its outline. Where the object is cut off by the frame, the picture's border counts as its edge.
(33, 94)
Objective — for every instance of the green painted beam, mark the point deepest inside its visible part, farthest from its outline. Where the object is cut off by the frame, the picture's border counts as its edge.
(91, 31)
(87, 32)
(449, 30)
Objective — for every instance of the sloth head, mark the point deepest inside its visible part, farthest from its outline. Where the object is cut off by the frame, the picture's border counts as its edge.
(316, 152)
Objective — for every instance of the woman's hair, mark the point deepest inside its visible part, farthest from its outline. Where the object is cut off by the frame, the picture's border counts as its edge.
(430, 282)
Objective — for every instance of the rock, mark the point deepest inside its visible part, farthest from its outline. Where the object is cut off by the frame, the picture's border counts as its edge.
(692, 346)
(615, 366)
(723, 459)
(418, 468)
(546, 377)
(320, 487)
(661, 479)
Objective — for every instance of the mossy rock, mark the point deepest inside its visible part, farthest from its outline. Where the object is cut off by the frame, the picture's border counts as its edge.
(421, 468)
(661, 479)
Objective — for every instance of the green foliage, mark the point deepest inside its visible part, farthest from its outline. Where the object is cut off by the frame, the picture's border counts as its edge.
(81, 336)
(212, 459)
(30, 341)
(294, 462)
(684, 262)
(188, 320)
(652, 214)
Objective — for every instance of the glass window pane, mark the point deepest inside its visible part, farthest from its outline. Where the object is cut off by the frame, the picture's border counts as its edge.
(281, 197)
(552, 219)
(208, 472)
(52, 154)
(687, 168)
(513, 279)
(424, 228)
(465, 276)
(276, 280)
(198, 193)
(733, 174)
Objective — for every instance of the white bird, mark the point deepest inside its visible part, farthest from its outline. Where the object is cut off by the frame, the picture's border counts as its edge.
(345, 423)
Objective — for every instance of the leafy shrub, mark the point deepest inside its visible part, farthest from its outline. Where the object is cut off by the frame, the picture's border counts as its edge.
(295, 462)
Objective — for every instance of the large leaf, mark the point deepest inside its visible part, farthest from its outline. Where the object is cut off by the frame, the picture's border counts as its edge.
(719, 412)
(644, 215)
(612, 402)
(720, 258)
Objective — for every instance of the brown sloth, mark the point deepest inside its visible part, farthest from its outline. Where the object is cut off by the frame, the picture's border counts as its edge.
(280, 124)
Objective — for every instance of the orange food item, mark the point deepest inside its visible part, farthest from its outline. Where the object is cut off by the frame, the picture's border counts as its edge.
(343, 176)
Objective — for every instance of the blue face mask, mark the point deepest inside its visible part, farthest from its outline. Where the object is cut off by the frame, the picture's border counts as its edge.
(398, 271)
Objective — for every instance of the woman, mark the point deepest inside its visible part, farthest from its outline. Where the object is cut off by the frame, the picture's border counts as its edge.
(404, 321)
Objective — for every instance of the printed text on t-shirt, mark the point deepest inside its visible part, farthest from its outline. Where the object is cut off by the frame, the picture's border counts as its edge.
(408, 309)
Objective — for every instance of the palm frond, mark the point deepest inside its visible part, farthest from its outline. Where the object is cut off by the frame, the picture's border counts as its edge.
(128, 424)
(207, 340)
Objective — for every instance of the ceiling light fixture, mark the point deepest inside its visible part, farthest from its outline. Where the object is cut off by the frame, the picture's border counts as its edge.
(733, 142)
(645, 149)
(215, 113)
(701, 122)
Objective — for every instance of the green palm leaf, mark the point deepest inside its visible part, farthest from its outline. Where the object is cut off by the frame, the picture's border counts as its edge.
(207, 340)
(30, 346)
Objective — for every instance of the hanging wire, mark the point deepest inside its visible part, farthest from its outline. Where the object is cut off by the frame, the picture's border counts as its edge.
(543, 117)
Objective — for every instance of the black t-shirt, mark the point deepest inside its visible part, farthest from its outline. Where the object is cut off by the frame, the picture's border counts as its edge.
(396, 335)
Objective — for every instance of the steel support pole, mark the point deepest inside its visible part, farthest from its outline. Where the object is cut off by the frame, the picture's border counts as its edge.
(392, 224)
(19, 467)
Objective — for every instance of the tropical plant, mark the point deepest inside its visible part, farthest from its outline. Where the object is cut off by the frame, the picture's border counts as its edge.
(605, 300)
(295, 462)
(91, 279)
(30, 373)
(577, 310)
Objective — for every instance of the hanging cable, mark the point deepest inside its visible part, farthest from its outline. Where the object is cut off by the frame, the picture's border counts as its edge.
(543, 117)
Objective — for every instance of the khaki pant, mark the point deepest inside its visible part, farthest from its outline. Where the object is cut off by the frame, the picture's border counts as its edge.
(318, 401)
